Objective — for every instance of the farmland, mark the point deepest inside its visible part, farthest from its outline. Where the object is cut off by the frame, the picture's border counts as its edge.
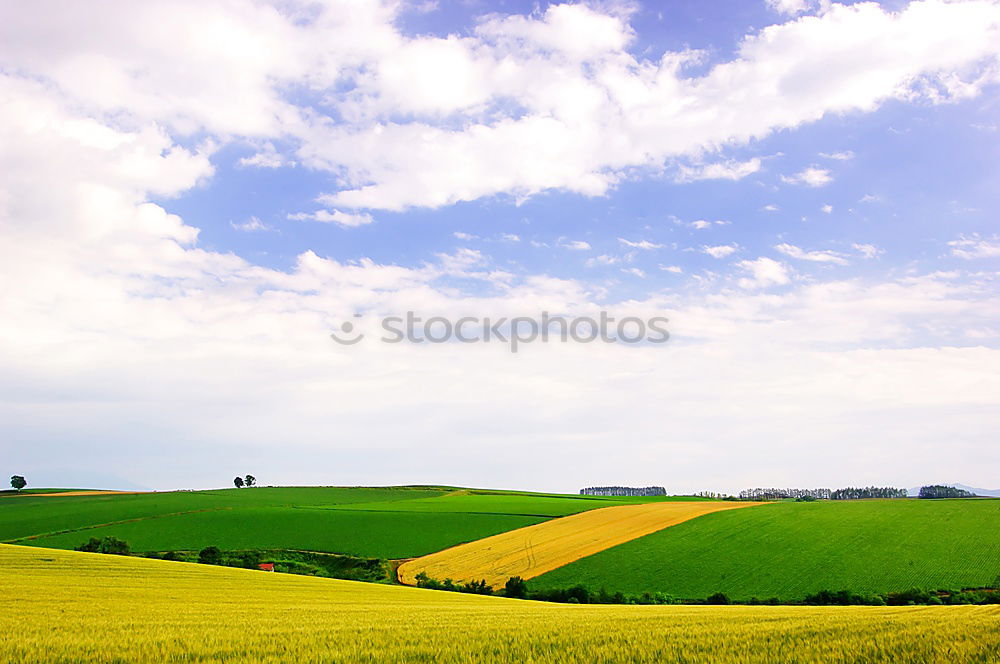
(376, 522)
(788, 550)
(537, 549)
(64, 606)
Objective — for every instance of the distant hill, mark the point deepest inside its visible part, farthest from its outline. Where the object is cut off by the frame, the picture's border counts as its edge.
(995, 493)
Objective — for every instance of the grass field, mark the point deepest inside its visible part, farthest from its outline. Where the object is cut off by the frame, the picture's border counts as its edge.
(534, 550)
(377, 522)
(63, 606)
(787, 550)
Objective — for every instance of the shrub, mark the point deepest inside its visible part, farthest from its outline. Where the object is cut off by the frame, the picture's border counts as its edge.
(210, 555)
(109, 544)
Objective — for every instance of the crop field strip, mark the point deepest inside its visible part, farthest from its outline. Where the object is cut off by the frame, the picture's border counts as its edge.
(367, 522)
(789, 550)
(537, 549)
(64, 606)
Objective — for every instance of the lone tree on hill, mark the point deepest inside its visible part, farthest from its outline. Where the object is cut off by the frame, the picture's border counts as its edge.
(250, 480)
(238, 482)
(18, 482)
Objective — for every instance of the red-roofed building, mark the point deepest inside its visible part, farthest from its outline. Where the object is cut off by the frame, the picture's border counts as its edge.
(267, 567)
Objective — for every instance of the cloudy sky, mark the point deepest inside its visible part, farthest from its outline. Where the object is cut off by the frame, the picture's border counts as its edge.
(195, 194)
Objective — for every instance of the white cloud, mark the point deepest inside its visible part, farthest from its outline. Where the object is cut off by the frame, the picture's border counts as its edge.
(574, 245)
(839, 156)
(764, 272)
(464, 236)
(770, 207)
(727, 170)
(640, 244)
(973, 246)
(720, 251)
(789, 7)
(675, 269)
(252, 224)
(703, 224)
(267, 157)
(823, 256)
(510, 237)
(811, 176)
(348, 219)
(588, 112)
(869, 198)
(525, 103)
(827, 209)
(868, 250)
(603, 259)
(634, 271)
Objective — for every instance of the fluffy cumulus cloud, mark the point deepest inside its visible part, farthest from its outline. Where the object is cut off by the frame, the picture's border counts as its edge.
(764, 272)
(122, 328)
(521, 104)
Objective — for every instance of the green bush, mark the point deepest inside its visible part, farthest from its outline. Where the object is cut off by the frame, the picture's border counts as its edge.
(210, 555)
(109, 544)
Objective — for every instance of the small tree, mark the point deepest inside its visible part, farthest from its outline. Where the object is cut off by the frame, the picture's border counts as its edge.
(238, 482)
(93, 545)
(516, 587)
(250, 480)
(210, 555)
(115, 546)
(18, 482)
(109, 544)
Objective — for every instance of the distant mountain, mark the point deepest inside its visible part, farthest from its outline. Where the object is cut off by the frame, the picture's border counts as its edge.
(995, 493)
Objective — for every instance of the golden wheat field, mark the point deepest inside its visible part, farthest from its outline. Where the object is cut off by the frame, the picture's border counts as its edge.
(534, 550)
(64, 606)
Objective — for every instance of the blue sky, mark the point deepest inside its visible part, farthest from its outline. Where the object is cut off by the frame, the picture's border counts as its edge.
(196, 193)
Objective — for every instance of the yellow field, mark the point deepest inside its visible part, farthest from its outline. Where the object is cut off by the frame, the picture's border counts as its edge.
(65, 606)
(535, 550)
(69, 494)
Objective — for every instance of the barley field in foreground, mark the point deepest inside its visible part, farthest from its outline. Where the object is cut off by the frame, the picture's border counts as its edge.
(533, 550)
(64, 606)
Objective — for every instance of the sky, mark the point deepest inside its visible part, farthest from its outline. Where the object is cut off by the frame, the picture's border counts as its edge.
(194, 196)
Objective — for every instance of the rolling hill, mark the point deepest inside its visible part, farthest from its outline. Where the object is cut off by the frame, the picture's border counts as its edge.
(397, 522)
(788, 550)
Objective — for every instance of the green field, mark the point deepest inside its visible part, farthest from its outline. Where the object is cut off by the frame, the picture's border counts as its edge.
(375, 522)
(788, 550)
